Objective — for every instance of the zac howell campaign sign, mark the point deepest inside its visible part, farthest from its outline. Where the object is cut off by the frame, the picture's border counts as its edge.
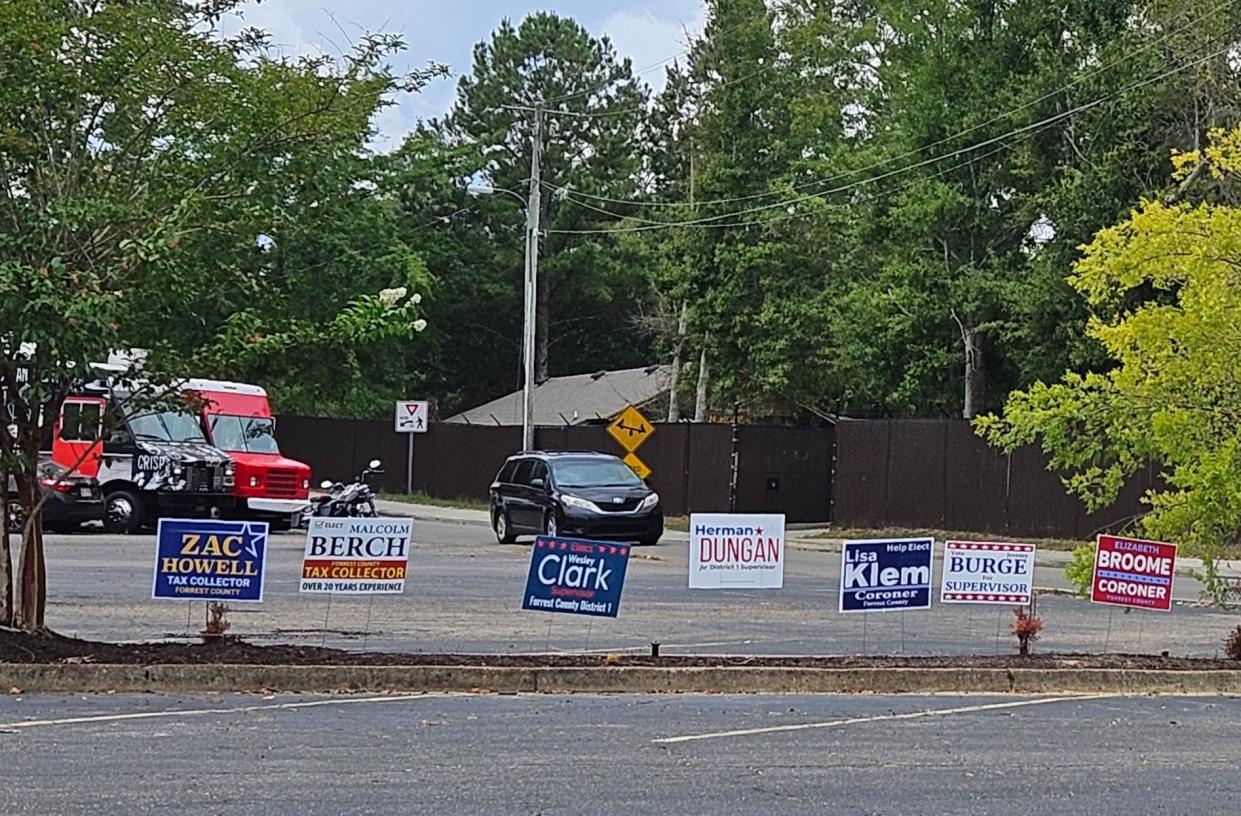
(575, 576)
(736, 551)
(979, 572)
(887, 575)
(203, 560)
(356, 556)
(1133, 572)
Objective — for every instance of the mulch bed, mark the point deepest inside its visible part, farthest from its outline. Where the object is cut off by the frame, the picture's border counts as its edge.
(20, 648)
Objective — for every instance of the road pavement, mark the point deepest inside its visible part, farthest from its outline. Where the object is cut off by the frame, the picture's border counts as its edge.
(681, 754)
(464, 595)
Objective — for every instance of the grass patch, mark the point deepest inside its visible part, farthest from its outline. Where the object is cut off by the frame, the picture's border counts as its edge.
(1062, 544)
(423, 498)
(679, 524)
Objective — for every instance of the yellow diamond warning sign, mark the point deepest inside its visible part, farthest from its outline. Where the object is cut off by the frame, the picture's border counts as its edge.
(631, 429)
(637, 466)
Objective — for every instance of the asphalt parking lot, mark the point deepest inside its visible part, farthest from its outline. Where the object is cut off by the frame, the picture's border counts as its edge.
(300, 754)
(464, 594)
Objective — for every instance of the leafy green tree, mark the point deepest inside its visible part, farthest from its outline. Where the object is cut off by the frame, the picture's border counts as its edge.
(1163, 290)
(142, 157)
(593, 111)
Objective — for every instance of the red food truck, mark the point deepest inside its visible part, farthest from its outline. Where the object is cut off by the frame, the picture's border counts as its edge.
(237, 419)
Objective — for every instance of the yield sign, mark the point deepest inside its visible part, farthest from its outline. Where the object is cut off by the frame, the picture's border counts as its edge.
(411, 416)
(631, 429)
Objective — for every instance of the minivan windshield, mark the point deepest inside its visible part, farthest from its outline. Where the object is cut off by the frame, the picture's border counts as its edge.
(167, 426)
(238, 433)
(594, 473)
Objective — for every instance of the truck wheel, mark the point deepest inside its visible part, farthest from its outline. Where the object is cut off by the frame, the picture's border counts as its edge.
(503, 527)
(122, 511)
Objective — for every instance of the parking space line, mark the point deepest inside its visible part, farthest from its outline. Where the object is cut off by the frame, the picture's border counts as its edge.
(198, 712)
(912, 715)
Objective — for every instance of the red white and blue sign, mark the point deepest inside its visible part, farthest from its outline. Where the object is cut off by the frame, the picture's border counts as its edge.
(984, 572)
(576, 576)
(886, 575)
(1132, 572)
(204, 560)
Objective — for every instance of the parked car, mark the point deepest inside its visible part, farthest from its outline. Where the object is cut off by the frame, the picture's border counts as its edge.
(72, 500)
(589, 495)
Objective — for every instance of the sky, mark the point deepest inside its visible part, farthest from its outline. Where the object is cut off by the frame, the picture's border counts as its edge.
(445, 31)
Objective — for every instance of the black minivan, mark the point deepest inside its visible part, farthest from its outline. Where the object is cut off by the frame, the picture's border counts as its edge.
(589, 495)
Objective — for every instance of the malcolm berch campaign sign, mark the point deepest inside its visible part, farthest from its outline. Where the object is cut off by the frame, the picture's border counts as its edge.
(356, 556)
(203, 560)
(736, 551)
(576, 576)
(886, 575)
(977, 572)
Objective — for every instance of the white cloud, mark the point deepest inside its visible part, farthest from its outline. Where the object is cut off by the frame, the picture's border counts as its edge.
(650, 41)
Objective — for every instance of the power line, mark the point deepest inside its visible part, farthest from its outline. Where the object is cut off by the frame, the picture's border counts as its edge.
(922, 148)
(1033, 127)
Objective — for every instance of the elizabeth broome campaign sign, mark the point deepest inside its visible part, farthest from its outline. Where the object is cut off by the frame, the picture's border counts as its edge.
(576, 576)
(1133, 572)
(736, 551)
(356, 556)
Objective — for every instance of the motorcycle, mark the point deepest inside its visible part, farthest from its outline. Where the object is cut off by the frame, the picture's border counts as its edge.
(341, 500)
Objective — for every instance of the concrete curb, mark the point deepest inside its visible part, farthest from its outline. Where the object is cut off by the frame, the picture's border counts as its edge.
(171, 679)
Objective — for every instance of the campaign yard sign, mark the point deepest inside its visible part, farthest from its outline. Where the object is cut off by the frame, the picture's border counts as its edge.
(736, 551)
(886, 575)
(576, 576)
(979, 572)
(1133, 572)
(205, 560)
(356, 556)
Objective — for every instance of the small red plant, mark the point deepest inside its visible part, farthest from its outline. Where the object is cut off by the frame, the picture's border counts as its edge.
(217, 622)
(1026, 629)
(1232, 644)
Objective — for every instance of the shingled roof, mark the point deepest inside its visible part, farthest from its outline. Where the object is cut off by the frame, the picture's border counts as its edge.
(576, 400)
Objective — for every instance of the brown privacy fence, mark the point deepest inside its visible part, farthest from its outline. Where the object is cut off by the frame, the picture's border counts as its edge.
(861, 473)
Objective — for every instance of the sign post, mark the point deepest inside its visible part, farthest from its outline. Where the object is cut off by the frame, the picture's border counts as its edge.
(1134, 573)
(411, 418)
(886, 575)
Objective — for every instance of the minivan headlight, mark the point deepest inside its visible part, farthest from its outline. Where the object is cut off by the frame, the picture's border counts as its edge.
(649, 502)
(580, 503)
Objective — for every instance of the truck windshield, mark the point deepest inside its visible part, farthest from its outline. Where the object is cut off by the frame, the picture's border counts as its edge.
(237, 433)
(167, 426)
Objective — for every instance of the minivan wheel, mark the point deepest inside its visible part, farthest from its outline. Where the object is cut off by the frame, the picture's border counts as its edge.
(503, 527)
(122, 512)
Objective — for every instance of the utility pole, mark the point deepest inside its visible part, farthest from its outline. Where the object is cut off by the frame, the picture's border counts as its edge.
(533, 208)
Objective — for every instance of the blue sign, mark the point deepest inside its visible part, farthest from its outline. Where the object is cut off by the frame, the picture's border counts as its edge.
(202, 560)
(887, 575)
(576, 576)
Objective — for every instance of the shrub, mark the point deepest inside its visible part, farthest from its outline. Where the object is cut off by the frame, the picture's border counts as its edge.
(217, 622)
(1080, 571)
(1232, 644)
(1026, 629)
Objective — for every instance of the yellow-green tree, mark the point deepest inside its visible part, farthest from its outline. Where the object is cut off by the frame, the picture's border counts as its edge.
(1164, 289)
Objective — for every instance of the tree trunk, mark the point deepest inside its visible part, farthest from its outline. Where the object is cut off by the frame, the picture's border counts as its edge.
(704, 381)
(6, 551)
(674, 381)
(31, 573)
(975, 372)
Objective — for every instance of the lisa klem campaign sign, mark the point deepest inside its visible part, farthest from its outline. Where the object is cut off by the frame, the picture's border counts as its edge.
(576, 576)
(978, 572)
(736, 551)
(1133, 572)
(204, 560)
(356, 556)
(886, 575)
